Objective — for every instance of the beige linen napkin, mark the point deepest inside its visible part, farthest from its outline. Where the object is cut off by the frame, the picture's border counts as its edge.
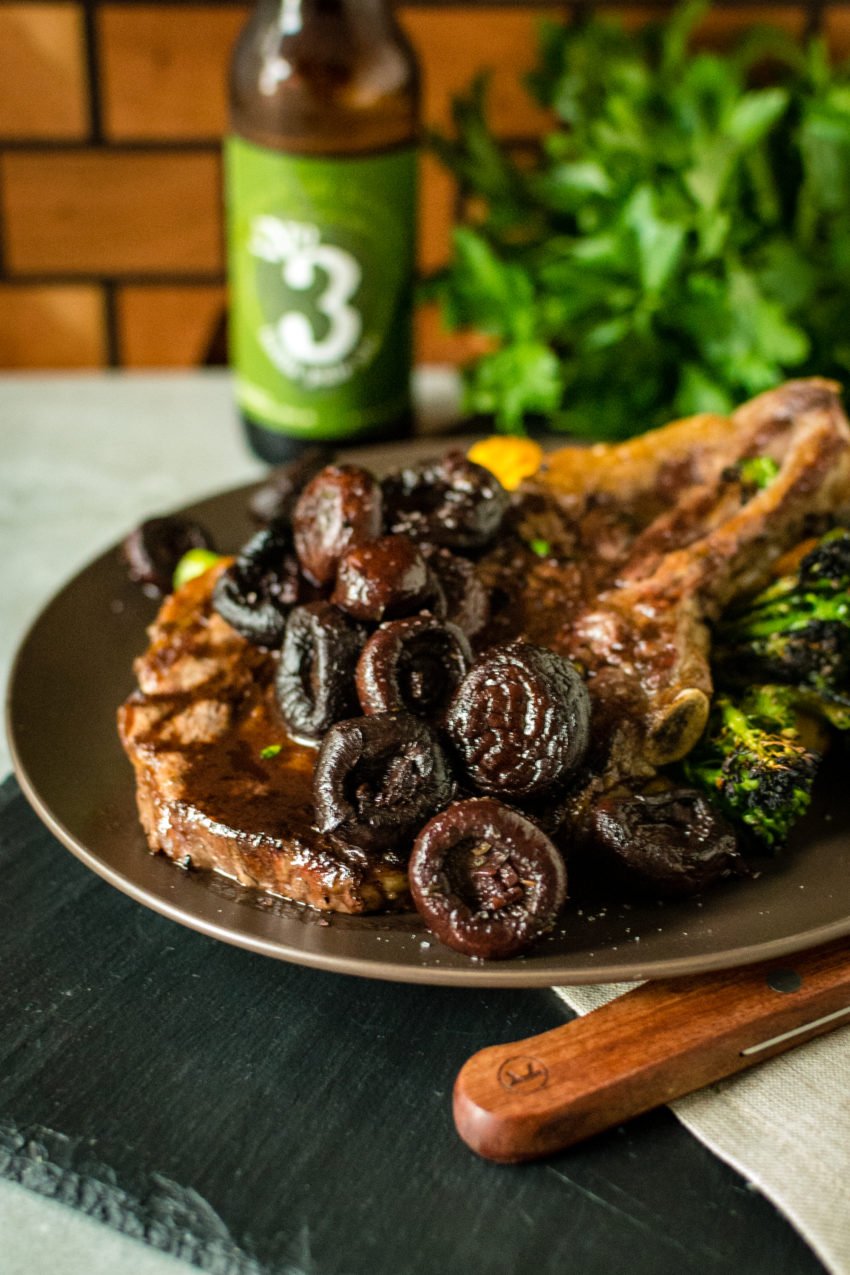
(784, 1125)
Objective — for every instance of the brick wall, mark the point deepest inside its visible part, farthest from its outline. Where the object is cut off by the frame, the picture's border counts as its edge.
(110, 120)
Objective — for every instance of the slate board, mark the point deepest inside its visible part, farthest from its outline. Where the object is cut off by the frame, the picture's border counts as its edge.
(256, 1118)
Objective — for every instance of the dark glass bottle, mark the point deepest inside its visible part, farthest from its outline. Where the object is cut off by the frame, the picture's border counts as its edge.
(321, 192)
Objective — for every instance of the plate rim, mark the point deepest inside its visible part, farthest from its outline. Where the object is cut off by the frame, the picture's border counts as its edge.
(504, 974)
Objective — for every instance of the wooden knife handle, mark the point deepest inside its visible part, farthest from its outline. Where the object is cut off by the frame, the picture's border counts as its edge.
(662, 1040)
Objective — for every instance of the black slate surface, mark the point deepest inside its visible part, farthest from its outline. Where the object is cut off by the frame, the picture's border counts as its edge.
(254, 1117)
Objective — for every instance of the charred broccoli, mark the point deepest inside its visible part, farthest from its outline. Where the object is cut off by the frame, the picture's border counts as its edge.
(752, 761)
(796, 632)
(775, 656)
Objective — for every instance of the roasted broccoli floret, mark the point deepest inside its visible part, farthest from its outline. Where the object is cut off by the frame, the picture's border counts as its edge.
(796, 632)
(777, 657)
(752, 761)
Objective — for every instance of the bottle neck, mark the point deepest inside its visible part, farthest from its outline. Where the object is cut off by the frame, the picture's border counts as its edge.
(316, 76)
(293, 16)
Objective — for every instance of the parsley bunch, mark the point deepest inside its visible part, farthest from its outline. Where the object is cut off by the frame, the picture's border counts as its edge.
(680, 242)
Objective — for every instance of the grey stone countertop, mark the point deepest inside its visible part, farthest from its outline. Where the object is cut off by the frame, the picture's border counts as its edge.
(84, 458)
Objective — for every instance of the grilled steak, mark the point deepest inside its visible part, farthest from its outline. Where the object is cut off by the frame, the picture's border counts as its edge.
(647, 542)
(195, 732)
(657, 535)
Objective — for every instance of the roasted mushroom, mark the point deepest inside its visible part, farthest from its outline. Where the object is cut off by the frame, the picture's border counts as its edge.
(450, 502)
(670, 843)
(314, 682)
(153, 549)
(338, 508)
(414, 665)
(520, 720)
(256, 592)
(385, 579)
(485, 879)
(377, 780)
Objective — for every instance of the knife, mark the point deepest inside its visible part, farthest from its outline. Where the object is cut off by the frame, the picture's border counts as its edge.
(658, 1042)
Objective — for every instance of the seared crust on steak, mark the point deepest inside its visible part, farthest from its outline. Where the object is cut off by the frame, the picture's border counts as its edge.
(195, 731)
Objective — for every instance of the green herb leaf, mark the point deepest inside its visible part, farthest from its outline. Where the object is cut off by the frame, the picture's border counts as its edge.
(660, 243)
(541, 547)
(271, 750)
(758, 471)
(681, 240)
(754, 114)
(517, 381)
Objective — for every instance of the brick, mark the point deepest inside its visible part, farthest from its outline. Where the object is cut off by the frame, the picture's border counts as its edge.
(167, 326)
(437, 195)
(721, 26)
(165, 68)
(454, 43)
(108, 213)
(837, 30)
(172, 327)
(51, 327)
(433, 342)
(42, 72)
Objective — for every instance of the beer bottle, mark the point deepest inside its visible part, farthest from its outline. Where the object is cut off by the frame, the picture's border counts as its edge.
(320, 190)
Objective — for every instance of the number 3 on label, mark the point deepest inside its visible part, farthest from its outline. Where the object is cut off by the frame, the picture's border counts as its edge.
(345, 324)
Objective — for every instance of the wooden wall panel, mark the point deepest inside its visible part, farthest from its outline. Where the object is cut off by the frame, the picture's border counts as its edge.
(167, 326)
(164, 69)
(108, 213)
(837, 27)
(453, 42)
(437, 198)
(50, 327)
(43, 90)
(435, 344)
(722, 24)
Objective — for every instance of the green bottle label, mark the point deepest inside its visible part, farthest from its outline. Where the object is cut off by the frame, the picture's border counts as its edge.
(321, 267)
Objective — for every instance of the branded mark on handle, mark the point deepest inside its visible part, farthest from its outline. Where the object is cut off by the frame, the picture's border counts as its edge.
(523, 1074)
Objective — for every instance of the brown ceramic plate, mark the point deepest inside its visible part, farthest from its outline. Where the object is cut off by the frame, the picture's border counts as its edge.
(74, 668)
